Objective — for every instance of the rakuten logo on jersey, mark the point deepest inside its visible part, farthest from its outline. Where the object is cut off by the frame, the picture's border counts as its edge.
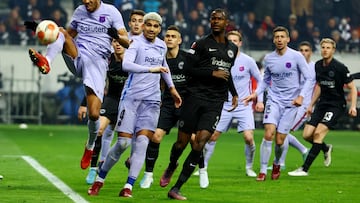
(153, 60)
(220, 63)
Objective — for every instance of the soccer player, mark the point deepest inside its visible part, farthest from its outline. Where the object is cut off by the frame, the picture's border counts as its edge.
(305, 49)
(102, 145)
(109, 109)
(86, 48)
(209, 80)
(140, 101)
(244, 68)
(331, 76)
(169, 115)
(283, 68)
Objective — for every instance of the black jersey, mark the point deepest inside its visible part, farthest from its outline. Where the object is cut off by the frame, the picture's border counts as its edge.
(332, 79)
(176, 66)
(205, 56)
(116, 78)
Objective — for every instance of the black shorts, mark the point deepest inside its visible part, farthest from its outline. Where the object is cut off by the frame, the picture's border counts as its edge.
(327, 115)
(169, 116)
(197, 114)
(109, 109)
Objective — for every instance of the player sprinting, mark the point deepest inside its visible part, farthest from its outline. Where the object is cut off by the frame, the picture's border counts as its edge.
(329, 102)
(94, 24)
(169, 115)
(244, 68)
(140, 101)
(283, 68)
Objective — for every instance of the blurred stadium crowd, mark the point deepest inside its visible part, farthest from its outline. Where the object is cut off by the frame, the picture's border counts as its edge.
(308, 20)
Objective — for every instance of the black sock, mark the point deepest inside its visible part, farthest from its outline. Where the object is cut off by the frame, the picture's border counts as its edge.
(152, 153)
(188, 168)
(201, 160)
(174, 156)
(324, 147)
(96, 151)
(314, 152)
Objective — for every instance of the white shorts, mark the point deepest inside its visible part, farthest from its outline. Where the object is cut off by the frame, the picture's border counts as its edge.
(244, 116)
(91, 70)
(282, 117)
(136, 115)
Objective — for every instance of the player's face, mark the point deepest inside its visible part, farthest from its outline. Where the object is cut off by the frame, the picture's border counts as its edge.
(327, 50)
(91, 5)
(118, 49)
(172, 39)
(135, 24)
(281, 39)
(305, 51)
(151, 29)
(218, 22)
(235, 39)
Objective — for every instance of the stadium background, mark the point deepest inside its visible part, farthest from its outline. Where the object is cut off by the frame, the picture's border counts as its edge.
(28, 97)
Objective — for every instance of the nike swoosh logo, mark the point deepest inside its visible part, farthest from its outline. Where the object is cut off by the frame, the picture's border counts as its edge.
(210, 49)
(192, 165)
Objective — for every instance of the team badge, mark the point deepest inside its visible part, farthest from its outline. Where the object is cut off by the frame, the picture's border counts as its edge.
(241, 68)
(230, 53)
(102, 19)
(331, 73)
(288, 65)
(181, 65)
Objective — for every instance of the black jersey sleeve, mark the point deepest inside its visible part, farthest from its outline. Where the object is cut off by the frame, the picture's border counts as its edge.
(356, 75)
(83, 102)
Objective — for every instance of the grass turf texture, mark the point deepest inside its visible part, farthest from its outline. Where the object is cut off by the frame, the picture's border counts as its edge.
(59, 149)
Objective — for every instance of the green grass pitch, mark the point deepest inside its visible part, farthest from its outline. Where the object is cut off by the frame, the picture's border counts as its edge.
(58, 149)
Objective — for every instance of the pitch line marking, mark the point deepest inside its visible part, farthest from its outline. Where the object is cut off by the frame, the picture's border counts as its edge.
(54, 180)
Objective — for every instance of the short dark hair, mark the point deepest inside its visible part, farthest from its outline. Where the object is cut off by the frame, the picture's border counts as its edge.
(281, 29)
(305, 43)
(174, 27)
(137, 12)
(223, 11)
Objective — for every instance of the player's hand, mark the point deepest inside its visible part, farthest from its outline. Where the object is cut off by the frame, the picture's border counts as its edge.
(352, 111)
(234, 104)
(82, 112)
(249, 98)
(309, 111)
(259, 107)
(158, 69)
(31, 25)
(298, 101)
(176, 96)
(221, 73)
(112, 32)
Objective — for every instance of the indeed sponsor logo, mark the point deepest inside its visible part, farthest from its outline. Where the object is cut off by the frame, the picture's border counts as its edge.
(220, 63)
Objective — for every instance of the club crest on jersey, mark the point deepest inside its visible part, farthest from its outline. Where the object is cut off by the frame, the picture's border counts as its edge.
(102, 19)
(230, 53)
(241, 68)
(288, 65)
(331, 73)
(181, 65)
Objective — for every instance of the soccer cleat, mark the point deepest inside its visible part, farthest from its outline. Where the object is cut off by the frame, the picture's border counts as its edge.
(175, 194)
(275, 173)
(90, 178)
(261, 177)
(282, 168)
(127, 163)
(86, 158)
(327, 155)
(298, 172)
(147, 180)
(166, 177)
(40, 61)
(196, 173)
(125, 192)
(203, 178)
(95, 188)
(250, 173)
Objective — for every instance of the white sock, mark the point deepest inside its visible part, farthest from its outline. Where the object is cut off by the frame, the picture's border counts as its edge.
(106, 140)
(54, 48)
(138, 157)
(293, 141)
(249, 155)
(93, 127)
(115, 152)
(265, 153)
(208, 152)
